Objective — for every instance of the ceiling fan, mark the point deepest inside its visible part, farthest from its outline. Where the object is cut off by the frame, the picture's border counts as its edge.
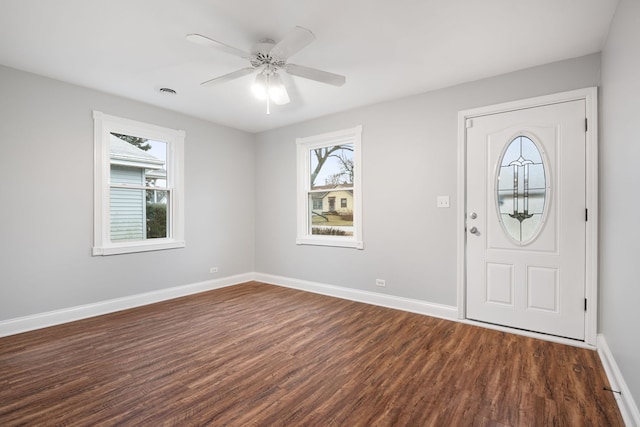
(267, 59)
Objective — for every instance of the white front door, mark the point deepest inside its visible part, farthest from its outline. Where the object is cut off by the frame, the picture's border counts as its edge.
(526, 219)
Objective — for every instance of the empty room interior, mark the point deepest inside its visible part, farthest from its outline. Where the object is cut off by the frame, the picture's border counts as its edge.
(319, 213)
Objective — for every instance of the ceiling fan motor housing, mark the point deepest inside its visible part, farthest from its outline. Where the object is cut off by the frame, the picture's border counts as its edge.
(262, 56)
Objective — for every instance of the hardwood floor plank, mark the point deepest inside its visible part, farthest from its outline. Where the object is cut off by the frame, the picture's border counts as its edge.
(261, 355)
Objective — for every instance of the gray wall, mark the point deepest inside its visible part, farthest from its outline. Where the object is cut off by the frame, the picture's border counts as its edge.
(46, 192)
(409, 151)
(619, 201)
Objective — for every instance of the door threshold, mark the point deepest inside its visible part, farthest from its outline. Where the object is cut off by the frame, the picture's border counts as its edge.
(530, 334)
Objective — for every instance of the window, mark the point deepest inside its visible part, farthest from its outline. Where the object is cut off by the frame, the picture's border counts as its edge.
(329, 172)
(521, 190)
(138, 186)
(317, 203)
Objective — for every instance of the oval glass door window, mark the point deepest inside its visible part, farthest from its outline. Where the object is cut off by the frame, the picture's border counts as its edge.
(522, 190)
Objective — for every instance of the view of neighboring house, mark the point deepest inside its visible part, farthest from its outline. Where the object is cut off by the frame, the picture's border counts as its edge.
(334, 199)
(132, 169)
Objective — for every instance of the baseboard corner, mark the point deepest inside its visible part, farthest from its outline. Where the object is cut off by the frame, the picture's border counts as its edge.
(56, 317)
(626, 404)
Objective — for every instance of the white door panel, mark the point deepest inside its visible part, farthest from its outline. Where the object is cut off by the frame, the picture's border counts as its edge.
(526, 244)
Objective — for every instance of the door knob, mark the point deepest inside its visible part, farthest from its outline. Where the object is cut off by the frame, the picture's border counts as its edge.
(473, 230)
(473, 215)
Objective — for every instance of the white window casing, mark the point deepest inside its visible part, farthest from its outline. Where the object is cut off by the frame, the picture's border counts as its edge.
(104, 244)
(304, 228)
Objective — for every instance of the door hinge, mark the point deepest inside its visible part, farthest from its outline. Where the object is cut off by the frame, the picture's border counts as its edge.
(586, 124)
(585, 304)
(586, 214)
(468, 123)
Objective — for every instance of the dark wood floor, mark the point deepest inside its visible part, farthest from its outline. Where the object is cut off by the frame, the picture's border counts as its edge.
(261, 355)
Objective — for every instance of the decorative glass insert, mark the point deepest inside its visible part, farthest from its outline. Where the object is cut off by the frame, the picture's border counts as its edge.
(522, 190)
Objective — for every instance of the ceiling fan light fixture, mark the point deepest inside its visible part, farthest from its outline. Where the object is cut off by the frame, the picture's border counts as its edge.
(277, 91)
(268, 86)
(259, 87)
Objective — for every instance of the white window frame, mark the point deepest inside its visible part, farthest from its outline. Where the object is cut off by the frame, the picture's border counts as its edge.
(104, 125)
(304, 147)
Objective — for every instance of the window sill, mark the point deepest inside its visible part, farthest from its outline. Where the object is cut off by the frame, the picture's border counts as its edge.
(131, 247)
(319, 241)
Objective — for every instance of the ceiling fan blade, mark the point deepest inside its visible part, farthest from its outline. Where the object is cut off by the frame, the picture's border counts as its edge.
(315, 74)
(227, 77)
(293, 43)
(206, 41)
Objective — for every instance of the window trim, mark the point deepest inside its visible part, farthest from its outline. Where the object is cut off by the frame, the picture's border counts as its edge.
(104, 124)
(304, 147)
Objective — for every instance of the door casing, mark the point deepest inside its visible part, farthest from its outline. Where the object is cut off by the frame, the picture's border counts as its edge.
(590, 95)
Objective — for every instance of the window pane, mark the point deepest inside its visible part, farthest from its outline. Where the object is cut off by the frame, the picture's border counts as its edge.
(530, 151)
(126, 175)
(157, 177)
(505, 178)
(137, 161)
(157, 213)
(131, 208)
(331, 166)
(127, 214)
(138, 214)
(327, 216)
(512, 153)
(537, 179)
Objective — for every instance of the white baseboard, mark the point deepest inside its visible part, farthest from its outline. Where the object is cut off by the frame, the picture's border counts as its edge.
(627, 405)
(51, 318)
(384, 300)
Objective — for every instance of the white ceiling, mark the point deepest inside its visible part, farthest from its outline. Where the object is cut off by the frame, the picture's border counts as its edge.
(386, 49)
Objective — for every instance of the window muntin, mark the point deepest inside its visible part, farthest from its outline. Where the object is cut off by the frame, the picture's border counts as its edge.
(329, 197)
(138, 186)
(522, 190)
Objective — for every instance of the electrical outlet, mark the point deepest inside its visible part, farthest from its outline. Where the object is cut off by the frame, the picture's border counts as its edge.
(381, 283)
(213, 270)
(443, 201)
